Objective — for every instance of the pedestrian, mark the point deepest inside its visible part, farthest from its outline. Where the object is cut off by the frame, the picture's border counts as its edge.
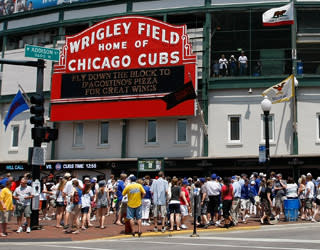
(309, 197)
(159, 191)
(204, 203)
(302, 196)
(75, 208)
(61, 201)
(280, 186)
(119, 190)
(235, 209)
(266, 201)
(23, 196)
(87, 196)
(174, 205)
(213, 189)
(102, 201)
(184, 202)
(67, 192)
(146, 203)
(6, 207)
(316, 211)
(226, 197)
(233, 65)
(245, 201)
(135, 193)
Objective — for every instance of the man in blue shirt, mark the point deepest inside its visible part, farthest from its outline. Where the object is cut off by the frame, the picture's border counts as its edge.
(245, 201)
(119, 190)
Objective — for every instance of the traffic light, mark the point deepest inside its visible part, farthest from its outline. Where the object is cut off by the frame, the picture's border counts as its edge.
(51, 134)
(37, 110)
(44, 134)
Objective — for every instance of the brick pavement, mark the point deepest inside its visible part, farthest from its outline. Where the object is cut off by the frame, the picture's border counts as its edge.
(50, 233)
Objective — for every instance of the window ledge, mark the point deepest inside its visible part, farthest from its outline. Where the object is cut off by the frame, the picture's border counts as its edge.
(234, 144)
(78, 147)
(318, 142)
(151, 145)
(103, 146)
(181, 144)
(13, 150)
(271, 143)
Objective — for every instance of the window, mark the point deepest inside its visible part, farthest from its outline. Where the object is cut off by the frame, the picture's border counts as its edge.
(181, 131)
(271, 128)
(234, 129)
(104, 133)
(152, 131)
(78, 134)
(15, 136)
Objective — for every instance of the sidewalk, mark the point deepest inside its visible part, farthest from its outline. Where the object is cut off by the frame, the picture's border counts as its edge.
(50, 233)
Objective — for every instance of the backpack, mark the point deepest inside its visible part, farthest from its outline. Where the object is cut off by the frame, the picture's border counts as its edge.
(76, 198)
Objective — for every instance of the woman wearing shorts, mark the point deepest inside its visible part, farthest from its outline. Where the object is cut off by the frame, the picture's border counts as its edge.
(174, 204)
(60, 202)
(102, 200)
(85, 206)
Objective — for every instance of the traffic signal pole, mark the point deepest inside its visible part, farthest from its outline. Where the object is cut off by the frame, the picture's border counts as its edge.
(37, 143)
(39, 64)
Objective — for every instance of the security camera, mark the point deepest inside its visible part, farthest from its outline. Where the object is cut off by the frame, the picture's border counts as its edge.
(250, 91)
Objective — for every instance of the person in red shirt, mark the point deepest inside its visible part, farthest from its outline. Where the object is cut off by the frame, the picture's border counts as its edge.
(184, 202)
(227, 197)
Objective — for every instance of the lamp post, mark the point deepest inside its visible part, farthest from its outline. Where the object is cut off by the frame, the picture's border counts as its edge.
(266, 107)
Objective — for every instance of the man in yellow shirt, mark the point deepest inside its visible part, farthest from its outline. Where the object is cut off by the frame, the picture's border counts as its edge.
(135, 193)
(6, 207)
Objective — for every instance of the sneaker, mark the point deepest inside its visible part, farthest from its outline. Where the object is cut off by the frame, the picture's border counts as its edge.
(217, 224)
(93, 218)
(163, 229)
(247, 216)
(111, 212)
(28, 230)
(278, 217)
(47, 218)
(19, 230)
(147, 224)
(183, 226)
(313, 220)
(143, 223)
(155, 229)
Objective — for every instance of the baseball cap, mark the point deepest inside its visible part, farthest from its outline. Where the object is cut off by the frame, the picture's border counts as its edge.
(185, 182)
(203, 180)
(318, 179)
(234, 177)
(132, 178)
(309, 174)
(279, 175)
(213, 176)
(87, 179)
(67, 175)
(253, 183)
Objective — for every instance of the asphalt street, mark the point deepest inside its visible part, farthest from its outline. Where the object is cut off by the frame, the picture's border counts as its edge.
(282, 237)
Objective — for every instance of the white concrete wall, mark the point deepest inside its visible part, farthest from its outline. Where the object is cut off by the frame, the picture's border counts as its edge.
(223, 103)
(90, 149)
(166, 146)
(308, 107)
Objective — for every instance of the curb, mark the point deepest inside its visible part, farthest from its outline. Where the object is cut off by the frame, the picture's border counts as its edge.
(159, 234)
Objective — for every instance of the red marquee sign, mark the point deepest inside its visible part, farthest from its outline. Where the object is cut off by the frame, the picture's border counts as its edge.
(121, 68)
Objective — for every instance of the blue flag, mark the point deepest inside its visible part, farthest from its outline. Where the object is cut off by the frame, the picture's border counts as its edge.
(17, 106)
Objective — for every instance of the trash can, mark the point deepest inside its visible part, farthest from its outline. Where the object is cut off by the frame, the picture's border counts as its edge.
(299, 68)
(291, 209)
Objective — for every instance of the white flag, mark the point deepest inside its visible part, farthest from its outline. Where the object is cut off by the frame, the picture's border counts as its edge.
(282, 91)
(278, 16)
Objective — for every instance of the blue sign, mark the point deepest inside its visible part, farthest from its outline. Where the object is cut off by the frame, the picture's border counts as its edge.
(262, 154)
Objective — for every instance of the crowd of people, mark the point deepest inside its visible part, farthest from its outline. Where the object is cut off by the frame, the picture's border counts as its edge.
(222, 202)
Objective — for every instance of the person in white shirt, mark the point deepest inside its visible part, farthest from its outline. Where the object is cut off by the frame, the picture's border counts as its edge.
(309, 197)
(213, 189)
(243, 64)
(223, 65)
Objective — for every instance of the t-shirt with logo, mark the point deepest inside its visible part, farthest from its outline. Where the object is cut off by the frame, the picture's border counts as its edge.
(134, 192)
(22, 192)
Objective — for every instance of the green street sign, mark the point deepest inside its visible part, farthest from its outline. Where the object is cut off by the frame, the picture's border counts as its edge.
(41, 53)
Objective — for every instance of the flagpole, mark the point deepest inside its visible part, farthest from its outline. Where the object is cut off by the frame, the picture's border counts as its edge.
(204, 125)
(24, 94)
